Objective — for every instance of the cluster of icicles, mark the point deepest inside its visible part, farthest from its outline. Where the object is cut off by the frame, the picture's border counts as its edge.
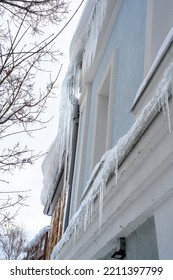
(61, 146)
(55, 154)
(94, 28)
(70, 89)
(112, 159)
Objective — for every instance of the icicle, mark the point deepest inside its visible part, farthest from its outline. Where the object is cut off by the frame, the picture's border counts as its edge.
(77, 76)
(162, 96)
(75, 235)
(167, 109)
(94, 28)
(162, 99)
(116, 166)
(158, 106)
(91, 212)
(86, 218)
(101, 195)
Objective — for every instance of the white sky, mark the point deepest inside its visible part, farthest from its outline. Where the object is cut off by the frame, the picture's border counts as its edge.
(31, 177)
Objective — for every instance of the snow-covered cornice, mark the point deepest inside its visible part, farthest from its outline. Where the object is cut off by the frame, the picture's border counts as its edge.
(85, 39)
(79, 37)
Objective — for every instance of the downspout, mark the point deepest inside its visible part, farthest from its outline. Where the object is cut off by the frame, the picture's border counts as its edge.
(73, 156)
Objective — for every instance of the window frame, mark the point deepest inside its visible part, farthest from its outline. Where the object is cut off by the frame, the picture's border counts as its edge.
(112, 67)
(109, 71)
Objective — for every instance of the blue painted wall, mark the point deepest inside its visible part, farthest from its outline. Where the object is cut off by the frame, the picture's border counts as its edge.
(128, 36)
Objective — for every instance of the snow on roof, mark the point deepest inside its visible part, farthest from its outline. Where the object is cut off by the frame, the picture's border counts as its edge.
(85, 38)
(111, 160)
(80, 34)
(37, 238)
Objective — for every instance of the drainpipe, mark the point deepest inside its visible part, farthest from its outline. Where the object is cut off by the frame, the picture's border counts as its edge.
(72, 164)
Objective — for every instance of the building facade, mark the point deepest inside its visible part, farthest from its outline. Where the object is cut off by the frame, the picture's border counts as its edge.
(112, 157)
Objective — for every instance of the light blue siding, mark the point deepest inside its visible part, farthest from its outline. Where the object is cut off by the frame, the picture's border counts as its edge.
(128, 37)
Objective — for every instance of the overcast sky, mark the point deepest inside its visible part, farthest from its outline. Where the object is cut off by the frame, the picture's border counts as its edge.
(31, 177)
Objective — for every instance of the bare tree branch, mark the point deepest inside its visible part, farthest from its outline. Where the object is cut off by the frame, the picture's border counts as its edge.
(9, 208)
(21, 104)
(38, 13)
(12, 241)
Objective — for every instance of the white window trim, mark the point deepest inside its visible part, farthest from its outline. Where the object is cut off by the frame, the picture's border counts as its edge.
(112, 65)
(112, 68)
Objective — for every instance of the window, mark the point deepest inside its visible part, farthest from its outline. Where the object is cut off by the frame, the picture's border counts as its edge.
(103, 116)
(100, 142)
